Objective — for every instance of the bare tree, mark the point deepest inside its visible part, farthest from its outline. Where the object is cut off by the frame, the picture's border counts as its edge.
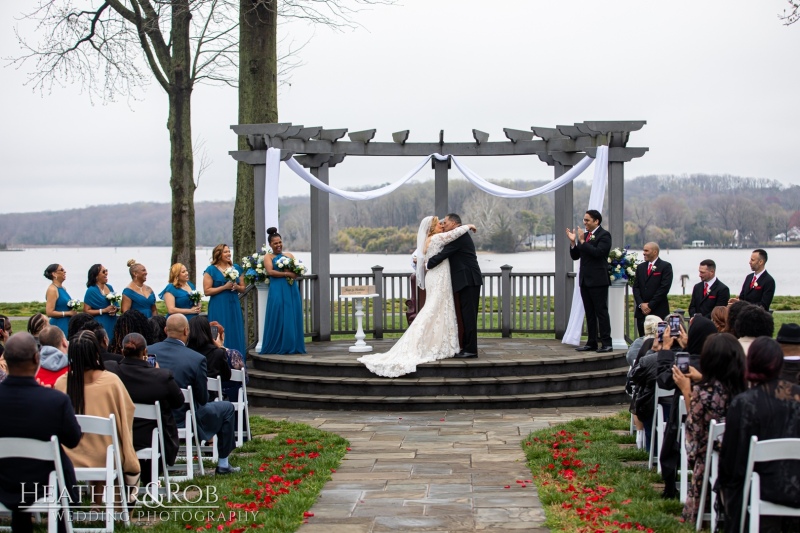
(643, 217)
(791, 15)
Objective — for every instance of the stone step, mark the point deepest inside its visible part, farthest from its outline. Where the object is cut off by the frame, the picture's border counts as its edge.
(410, 385)
(298, 400)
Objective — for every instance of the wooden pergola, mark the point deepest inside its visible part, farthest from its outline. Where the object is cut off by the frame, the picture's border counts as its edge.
(320, 149)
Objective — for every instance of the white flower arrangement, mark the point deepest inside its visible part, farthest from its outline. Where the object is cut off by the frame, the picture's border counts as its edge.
(114, 298)
(195, 296)
(622, 265)
(254, 268)
(287, 264)
(74, 304)
(231, 274)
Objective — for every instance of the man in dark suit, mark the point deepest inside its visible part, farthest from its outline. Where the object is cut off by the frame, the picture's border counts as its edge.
(31, 411)
(652, 284)
(147, 385)
(710, 292)
(189, 368)
(465, 275)
(758, 287)
(592, 249)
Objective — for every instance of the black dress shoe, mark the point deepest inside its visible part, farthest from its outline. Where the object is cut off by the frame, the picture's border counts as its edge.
(586, 348)
(224, 470)
(458, 353)
(605, 349)
(466, 355)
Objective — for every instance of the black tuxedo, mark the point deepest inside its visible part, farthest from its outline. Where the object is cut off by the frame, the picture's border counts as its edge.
(652, 290)
(189, 368)
(149, 385)
(465, 275)
(761, 295)
(718, 296)
(31, 411)
(594, 281)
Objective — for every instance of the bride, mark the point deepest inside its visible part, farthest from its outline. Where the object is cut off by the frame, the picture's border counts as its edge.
(434, 333)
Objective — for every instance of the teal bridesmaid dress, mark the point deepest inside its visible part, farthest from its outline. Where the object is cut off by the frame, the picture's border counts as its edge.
(283, 323)
(224, 308)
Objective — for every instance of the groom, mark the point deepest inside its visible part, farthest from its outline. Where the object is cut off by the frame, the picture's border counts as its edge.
(466, 277)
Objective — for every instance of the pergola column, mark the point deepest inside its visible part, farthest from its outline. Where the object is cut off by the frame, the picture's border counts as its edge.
(320, 254)
(616, 196)
(440, 172)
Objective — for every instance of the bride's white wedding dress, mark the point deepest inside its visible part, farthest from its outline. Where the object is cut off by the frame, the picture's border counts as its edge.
(434, 333)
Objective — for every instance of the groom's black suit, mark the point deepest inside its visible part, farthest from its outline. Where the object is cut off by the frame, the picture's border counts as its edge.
(465, 275)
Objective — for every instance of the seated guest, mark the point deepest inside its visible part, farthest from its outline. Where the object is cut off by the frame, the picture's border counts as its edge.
(32, 412)
(236, 361)
(94, 391)
(137, 295)
(78, 323)
(719, 316)
(789, 339)
(102, 337)
(201, 341)
(53, 356)
(753, 322)
(131, 321)
(720, 379)
(36, 324)
(710, 292)
(700, 330)
(770, 409)
(189, 368)
(758, 287)
(149, 385)
(650, 330)
(6, 330)
(733, 313)
(157, 325)
(642, 387)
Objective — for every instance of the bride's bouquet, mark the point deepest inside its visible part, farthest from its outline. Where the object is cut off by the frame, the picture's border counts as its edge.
(74, 304)
(287, 264)
(114, 298)
(254, 269)
(195, 296)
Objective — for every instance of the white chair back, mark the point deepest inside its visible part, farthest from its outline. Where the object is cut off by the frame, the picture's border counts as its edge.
(18, 448)
(760, 452)
(156, 451)
(189, 435)
(242, 407)
(215, 385)
(657, 429)
(715, 432)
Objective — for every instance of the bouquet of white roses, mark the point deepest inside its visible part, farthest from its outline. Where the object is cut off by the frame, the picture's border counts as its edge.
(622, 265)
(74, 304)
(114, 298)
(195, 296)
(253, 265)
(231, 274)
(287, 264)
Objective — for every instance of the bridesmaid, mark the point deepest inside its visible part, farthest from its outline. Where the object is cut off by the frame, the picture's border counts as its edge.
(56, 307)
(137, 295)
(176, 293)
(95, 302)
(223, 305)
(283, 323)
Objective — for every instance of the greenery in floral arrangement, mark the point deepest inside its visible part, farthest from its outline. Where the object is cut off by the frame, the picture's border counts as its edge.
(253, 265)
(622, 265)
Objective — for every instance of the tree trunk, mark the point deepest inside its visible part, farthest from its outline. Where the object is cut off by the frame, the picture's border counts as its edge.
(180, 138)
(258, 104)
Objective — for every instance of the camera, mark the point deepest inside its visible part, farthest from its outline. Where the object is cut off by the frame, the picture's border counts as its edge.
(675, 322)
(682, 361)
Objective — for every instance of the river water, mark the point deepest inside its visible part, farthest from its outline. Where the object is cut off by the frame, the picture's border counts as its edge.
(22, 280)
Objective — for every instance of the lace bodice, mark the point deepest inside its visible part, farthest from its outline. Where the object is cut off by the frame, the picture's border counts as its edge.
(439, 240)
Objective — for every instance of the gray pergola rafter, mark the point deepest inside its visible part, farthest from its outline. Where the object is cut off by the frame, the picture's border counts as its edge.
(319, 149)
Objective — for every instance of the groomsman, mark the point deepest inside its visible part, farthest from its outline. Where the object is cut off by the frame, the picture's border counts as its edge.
(710, 292)
(652, 284)
(592, 249)
(759, 287)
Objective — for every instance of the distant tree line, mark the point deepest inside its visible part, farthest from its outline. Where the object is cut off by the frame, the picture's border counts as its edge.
(673, 210)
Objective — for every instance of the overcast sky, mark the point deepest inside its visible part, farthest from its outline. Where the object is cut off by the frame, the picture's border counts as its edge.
(716, 82)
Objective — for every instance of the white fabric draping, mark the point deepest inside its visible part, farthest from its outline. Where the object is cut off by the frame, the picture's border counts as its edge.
(573, 333)
(273, 170)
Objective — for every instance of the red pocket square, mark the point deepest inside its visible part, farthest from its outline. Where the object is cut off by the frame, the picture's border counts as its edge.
(711, 297)
(758, 288)
(656, 273)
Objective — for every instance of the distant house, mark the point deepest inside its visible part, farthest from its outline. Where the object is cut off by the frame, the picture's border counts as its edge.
(698, 244)
(793, 234)
(780, 237)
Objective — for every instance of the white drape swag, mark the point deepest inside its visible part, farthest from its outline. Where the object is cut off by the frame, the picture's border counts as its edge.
(573, 333)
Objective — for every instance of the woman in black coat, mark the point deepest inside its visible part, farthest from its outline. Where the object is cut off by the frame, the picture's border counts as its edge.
(201, 341)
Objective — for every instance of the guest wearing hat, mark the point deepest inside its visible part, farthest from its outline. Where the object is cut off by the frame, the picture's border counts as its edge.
(789, 339)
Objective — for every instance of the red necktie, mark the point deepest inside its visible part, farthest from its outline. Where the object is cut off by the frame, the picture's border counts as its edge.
(753, 281)
(705, 290)
(649, 268)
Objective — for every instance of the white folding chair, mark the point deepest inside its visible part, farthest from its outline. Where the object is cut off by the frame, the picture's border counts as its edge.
(657, 429)
(156, 452)
(215, 385)
(111, 473)
(242, 407)
(188, 434)
(715, 432)
(206, 451)
(760, 452)
(55, 501)
(683, 469)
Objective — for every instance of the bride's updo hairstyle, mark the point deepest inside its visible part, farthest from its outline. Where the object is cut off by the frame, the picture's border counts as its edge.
(432, 228)
(271, 234)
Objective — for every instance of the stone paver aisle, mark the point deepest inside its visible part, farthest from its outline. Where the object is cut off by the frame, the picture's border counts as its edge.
(433, 471)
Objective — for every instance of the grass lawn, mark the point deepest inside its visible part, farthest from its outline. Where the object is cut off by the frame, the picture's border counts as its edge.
(586, 482)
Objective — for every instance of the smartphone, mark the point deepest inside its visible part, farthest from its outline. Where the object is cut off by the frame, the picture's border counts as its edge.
(675, 322)
(151, 359)
(214, 332)
(662, 327)
(682, 361)
(2, 323)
